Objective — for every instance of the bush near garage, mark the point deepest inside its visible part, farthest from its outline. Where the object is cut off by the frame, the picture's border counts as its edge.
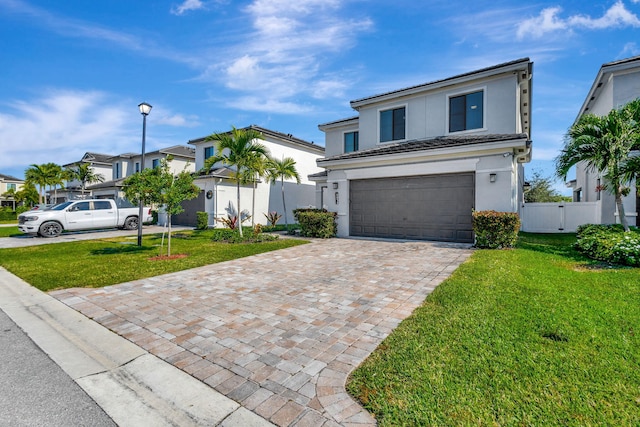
(496, 230)
(202, 220)
(609, 243)
(316, 222)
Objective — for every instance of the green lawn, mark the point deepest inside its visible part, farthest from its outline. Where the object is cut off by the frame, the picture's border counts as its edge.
(10, 231)
(538, 335)
(97, 263)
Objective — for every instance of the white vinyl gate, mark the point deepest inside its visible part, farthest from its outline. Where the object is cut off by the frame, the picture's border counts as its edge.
(558, 217)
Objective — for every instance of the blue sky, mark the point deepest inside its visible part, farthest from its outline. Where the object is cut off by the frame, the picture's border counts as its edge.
(74, 71)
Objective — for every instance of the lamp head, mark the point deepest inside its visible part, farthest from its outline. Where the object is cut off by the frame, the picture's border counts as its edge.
(144, 108)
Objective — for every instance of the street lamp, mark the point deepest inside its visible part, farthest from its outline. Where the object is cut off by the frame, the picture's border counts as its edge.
(145, 109)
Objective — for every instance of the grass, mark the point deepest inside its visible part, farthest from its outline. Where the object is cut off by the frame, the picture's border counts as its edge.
(10, 231)
(9, 221)
(97, 263)
(538, 335)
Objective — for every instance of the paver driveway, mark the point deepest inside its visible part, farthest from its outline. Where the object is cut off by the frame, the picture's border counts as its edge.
(278, 332)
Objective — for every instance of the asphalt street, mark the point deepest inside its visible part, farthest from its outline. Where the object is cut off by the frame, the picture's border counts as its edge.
(35, 391)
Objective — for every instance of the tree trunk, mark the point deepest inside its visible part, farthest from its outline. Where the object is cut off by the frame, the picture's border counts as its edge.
(621, 213)
(284, 205)
(239, 210)
(169, 236)
(253, 205)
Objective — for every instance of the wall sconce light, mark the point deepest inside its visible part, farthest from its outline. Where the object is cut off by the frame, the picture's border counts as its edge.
(492, 177)
(335, 185)
(337, 195)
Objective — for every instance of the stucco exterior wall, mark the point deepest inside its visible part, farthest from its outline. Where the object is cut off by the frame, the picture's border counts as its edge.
(427, 114)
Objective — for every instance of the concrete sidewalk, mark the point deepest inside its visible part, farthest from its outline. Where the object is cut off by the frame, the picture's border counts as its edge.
(134, 387)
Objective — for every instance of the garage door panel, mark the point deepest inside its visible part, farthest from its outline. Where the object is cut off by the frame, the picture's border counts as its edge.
(432, 207)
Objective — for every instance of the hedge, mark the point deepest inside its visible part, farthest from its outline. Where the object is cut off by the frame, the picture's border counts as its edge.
(609, 243)
(316, 222)
(496, 230)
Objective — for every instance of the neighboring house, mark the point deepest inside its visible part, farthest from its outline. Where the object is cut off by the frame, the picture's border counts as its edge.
(616, 84)
(124, 165)
(100, 164)
(8, 183)
(415, 162)
(219, 189)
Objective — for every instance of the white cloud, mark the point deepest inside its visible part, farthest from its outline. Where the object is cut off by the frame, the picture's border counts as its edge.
(283, 57)
(61, 125)
(550, 21)
(630, 49)
(186, 6)
(177, 120)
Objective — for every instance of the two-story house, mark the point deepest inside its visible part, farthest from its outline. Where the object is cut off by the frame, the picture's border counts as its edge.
(219, 189)
(99, 163)
(127, 164)
(616, 84)
(9, 184)
(415, 162)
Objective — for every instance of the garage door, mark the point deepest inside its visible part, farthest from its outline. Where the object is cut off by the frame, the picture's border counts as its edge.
(189, 216)
(433, 207)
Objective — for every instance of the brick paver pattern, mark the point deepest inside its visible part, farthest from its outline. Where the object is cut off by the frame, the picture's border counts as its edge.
(278, 332)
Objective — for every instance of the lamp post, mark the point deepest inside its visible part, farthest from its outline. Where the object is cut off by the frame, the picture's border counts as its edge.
(145, 109)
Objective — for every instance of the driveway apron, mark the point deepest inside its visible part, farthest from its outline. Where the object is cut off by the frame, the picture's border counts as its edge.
(278, 332)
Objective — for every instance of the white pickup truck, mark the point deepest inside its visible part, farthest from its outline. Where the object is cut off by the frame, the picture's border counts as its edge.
(81, 215)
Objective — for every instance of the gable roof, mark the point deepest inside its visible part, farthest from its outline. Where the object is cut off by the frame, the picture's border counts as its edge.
(511, 66)
(174, 150)
(90, 157)
(603, 75)
(427, 144)
(10, 178)
(278, 135)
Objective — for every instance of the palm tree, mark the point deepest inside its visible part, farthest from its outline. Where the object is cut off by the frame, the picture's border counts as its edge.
(55, 177)
(281, 170)
(37, 175)
(256, 170)
(84, 173)
(238, 149)
(605, 143)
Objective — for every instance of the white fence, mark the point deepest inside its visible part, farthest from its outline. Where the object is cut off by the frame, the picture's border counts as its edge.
(558, 217)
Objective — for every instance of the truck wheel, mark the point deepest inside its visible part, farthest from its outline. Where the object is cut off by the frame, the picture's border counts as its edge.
(131, 223)
(50, 229)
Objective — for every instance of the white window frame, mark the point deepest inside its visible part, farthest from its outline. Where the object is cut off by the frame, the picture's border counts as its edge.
(406, 120)
(468, 91)
(352, 131)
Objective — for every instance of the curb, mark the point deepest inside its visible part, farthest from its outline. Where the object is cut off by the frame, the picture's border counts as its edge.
(131, 385)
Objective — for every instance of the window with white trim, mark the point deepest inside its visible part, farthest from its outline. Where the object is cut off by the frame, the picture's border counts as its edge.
(392, 124)
(208, 152)
(351, 141)
(466, 111)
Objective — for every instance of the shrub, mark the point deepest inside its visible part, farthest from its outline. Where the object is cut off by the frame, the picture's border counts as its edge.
(316, 222)
(202, 220)
(6, 214)
(496, 230)
(609, 243)
(273, 218)
(231, 236)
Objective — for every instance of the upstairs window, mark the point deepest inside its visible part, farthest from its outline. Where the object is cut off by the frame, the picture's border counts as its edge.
(117, 170)
(208, 152)
(392, 124)
(137, 167)
(350, 142)
(11, 186)
(155, 163)
(466, 112)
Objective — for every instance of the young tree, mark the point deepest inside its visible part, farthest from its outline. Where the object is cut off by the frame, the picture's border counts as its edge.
(27, 195)
(541, 190)
(238, 149)
(281, 170)
(160, 186)
(84, 173)
(605, 144)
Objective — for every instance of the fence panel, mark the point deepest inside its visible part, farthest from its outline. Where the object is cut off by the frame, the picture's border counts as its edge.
(558, 217)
